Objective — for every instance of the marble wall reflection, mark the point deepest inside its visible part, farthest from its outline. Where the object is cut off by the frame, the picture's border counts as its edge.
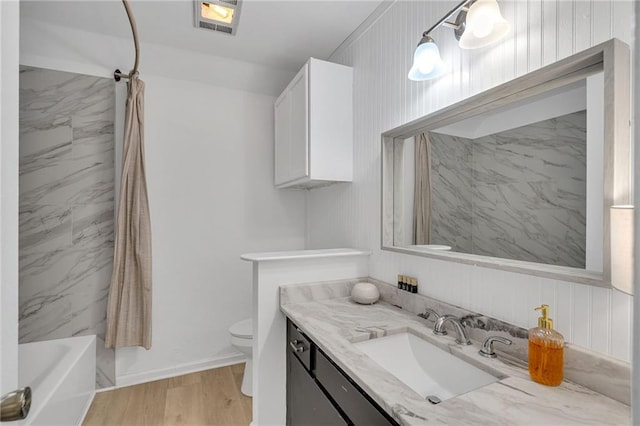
(451, 200)
(66, 208)
(522, 192)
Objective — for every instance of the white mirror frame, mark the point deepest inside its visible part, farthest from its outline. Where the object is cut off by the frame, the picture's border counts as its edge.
(613, 59)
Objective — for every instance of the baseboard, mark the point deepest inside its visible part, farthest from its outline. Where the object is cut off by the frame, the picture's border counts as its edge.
(178, 370)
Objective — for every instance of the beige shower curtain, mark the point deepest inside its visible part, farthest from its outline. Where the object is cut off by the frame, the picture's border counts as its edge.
(129, 306)
(422, 190)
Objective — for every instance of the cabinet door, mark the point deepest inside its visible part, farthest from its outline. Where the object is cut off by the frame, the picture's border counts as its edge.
(351, 400)
(282, 139)
(307, 405)
(299, 125)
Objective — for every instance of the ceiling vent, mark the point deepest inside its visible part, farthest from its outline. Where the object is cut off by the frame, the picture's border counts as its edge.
(218, 15)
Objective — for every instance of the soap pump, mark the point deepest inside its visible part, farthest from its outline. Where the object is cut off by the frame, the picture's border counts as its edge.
(546, 351)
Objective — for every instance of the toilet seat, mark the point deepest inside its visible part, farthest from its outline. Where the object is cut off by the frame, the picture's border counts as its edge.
(242, 329)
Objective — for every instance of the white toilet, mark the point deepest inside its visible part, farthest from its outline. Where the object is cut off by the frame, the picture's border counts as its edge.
(242, 338)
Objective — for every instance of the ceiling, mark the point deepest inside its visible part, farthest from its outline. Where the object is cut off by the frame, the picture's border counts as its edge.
(278, 34)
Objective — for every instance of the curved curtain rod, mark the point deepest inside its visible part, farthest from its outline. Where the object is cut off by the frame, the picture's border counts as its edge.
(117, 75)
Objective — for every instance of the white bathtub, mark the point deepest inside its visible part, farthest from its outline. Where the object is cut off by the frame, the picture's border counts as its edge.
(62, 376)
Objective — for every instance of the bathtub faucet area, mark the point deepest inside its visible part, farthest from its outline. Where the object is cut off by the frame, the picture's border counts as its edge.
(15, 405)
(61, 374)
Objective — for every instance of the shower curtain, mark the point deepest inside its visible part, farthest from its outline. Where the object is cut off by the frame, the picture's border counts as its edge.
(422, 190)
(129, 307)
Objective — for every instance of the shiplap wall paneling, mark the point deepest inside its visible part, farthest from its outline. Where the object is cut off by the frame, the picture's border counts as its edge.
(543, 31)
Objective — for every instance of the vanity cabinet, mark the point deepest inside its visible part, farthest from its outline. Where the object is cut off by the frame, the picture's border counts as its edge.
(319, 393)
(314, 127)
(306, 403)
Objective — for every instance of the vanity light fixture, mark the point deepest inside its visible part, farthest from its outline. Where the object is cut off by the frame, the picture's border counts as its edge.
(218, 15)
(427, 63)
(484, 25)
(479, 23)
(621, 218)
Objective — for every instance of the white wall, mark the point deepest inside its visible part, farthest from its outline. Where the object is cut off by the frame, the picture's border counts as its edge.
(210, 178)
(543, 32)
(9, 28)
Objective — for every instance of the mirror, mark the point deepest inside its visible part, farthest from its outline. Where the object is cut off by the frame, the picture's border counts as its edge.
(520, 177)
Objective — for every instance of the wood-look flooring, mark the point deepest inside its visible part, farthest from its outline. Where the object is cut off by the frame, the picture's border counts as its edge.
(210, 397)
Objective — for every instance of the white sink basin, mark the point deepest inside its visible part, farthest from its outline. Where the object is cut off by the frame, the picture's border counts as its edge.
(425, 368)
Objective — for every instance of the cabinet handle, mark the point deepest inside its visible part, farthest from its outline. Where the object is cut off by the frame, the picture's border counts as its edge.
(295, 347)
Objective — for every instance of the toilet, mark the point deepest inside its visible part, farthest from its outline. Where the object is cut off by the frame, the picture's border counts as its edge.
(242, 338)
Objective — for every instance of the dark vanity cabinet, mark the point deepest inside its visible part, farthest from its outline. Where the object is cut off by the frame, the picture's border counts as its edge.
(306, 403)
(319, 393)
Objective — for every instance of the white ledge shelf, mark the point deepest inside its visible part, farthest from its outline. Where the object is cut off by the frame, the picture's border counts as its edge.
(303, 254)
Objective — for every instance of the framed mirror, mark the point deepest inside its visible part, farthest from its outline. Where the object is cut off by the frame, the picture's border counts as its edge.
(520, 177)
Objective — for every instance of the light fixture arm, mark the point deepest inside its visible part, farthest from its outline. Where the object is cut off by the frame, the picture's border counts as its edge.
(442, 21)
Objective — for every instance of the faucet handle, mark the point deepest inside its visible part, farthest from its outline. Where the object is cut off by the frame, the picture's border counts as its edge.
(428, 312)
(487, 345)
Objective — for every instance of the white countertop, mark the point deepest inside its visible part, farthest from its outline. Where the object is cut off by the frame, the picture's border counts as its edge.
(303, 254)
(333, 324)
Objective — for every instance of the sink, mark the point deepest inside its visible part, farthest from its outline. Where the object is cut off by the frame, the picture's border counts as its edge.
(425, 368)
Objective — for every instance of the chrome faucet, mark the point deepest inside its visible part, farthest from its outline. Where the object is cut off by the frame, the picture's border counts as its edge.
(438, 328)
(487, 345)
(428, 312)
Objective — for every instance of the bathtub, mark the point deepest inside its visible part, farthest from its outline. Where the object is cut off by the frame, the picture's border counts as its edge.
(62, 376)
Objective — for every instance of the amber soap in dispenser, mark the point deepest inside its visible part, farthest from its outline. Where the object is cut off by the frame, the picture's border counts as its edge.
(546, 351)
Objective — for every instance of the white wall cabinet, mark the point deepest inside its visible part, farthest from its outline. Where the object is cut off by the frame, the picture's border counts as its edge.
(314, 127)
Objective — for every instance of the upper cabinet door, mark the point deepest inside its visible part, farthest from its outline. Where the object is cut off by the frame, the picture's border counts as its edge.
(282, 139)
(314, 127)
(299, 146)
(291, 131)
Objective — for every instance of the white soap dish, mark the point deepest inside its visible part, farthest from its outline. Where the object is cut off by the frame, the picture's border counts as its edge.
(365, 293)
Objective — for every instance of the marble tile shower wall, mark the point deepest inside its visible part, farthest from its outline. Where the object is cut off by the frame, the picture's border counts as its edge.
(349, 215)
(517, 194)
(529, 192)
(66, 208)
(451, 186)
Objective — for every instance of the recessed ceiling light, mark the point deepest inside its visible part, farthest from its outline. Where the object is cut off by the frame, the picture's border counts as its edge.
(218, 15)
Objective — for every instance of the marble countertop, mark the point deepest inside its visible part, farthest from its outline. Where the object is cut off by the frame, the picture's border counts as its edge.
(303, 254)
(334, 324)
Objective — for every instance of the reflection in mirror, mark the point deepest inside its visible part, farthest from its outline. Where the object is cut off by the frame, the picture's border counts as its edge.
(510, 183)
(520, 177)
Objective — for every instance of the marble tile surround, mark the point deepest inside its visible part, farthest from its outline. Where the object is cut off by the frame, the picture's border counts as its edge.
(599, 373)
(66, 188)
(451, 183)
(518, 194)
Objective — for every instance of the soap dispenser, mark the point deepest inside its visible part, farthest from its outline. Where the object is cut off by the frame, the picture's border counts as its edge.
(546, 351)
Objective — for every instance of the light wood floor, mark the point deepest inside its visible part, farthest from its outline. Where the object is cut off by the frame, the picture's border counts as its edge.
(210, 397)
